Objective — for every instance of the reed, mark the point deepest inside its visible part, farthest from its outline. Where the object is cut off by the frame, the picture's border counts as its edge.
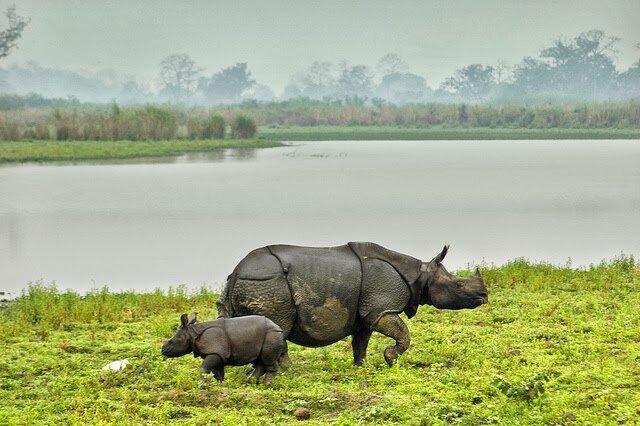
(158, 122)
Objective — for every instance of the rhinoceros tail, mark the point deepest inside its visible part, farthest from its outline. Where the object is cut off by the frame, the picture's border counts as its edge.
(224, 305)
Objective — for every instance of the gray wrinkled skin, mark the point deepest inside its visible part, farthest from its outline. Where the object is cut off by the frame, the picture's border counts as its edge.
(229, 341)
(321, 295)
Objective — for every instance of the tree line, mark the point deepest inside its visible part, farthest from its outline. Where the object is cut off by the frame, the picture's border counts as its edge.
(570, 70)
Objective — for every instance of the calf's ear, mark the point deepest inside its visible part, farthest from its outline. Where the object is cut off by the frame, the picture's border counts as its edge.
(184, 321)
(192, 318)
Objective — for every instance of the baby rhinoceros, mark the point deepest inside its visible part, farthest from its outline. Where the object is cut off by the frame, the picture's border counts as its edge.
(229, 341)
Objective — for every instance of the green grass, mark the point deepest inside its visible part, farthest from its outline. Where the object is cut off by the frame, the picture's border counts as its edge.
(31, 151)
(437, 133)
(555, 345)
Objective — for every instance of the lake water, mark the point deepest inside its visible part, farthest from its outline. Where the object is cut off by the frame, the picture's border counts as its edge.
(189, 220)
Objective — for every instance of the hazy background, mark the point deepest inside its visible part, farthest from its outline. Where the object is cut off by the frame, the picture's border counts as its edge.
(119, 41)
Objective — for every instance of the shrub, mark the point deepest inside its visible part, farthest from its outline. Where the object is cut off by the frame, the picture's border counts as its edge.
(243, 127)
(9, 130)
(211, 127)
(215, 126)
(153, 123)
(67, 126)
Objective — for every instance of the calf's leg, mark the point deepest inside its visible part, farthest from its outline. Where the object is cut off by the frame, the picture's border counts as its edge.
(213, 364)
(272, 351)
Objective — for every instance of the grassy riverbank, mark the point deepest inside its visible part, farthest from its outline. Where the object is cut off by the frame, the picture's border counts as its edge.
(296, 133)
(33, 151)
(555, 345)
(43, 151)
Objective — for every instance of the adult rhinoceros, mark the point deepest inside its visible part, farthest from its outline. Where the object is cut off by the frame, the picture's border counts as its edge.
(321, 295)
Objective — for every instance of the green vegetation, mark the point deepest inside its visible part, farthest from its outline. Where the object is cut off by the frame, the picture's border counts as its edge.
(112, 132)
(211, 127)
(30, 151)
(436, 133)
(152, 122)
(307, 113)
(555, 345)
(243, 127)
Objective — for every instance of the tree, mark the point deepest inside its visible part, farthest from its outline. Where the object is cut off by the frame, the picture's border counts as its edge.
(179, 75)
(227, 85)
(10, 35)
(500, 71)
(354, 81)
(570, 69)
(582, 65)
(531, 75)
(391, 63)
(402, 88)
(473, 82)
(318, 82)
(629, 81)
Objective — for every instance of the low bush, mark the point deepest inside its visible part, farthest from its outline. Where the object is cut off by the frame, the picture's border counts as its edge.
(212, 127)
(243, 127)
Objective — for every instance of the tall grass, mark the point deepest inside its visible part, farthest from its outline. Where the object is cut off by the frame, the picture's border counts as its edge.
(44, 308)
(211, 127)
(42, 305)
(243, 127)
(153, 122)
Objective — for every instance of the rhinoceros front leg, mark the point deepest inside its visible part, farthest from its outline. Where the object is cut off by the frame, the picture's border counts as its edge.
(392, 326)
(359, 343)
(213, 364)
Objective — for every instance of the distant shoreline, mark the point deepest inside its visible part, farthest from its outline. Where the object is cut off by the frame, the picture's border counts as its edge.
(63, 151)
(318, 133)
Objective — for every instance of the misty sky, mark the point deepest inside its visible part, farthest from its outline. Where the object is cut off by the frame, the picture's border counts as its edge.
(279, 38)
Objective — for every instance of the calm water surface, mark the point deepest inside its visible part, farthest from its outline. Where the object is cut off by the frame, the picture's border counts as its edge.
(189, 220)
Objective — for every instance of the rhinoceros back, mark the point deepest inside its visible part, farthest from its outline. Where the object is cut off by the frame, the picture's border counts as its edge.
(312, 293)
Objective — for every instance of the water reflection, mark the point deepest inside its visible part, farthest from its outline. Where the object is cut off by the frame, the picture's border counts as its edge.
(232, 154)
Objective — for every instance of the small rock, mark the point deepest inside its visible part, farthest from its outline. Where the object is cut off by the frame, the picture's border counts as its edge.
(302, 413)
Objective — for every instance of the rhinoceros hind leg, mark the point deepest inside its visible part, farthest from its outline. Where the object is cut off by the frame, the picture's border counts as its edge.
(392, 326)
(359, 343)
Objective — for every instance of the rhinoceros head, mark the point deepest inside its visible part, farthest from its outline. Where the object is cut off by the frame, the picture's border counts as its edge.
(446, 291)
(180, 343)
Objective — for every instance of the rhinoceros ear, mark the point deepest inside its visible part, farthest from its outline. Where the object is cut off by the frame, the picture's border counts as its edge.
(440, 257)
(192, 318)
(477, 275)
(184, 321)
